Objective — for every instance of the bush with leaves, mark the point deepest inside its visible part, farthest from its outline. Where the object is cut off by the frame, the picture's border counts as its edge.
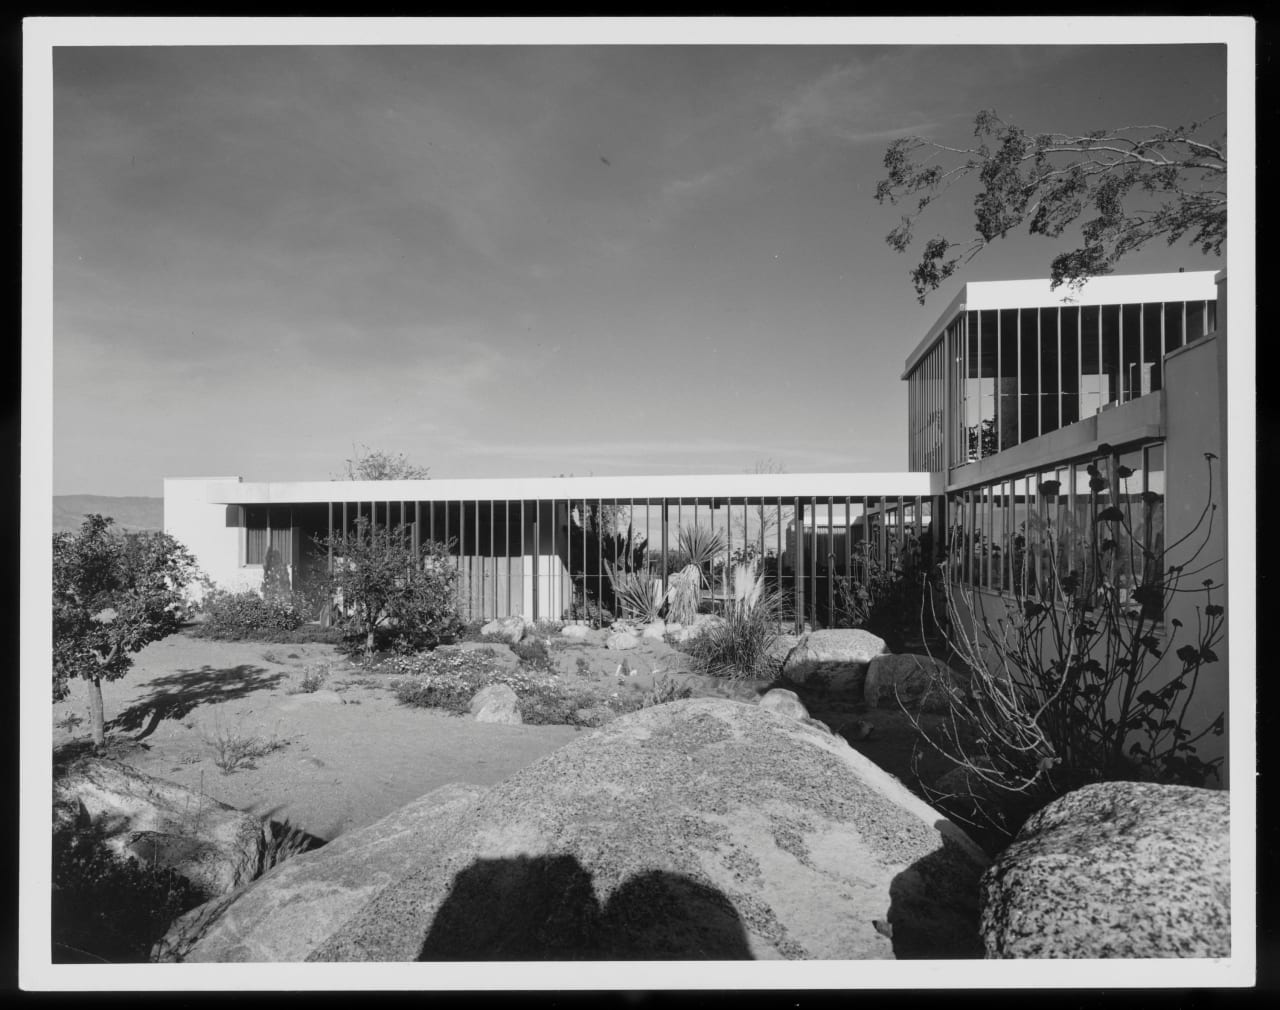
(112, 596)
(246, 616)
(105, 908)
(1078, 680)
(391, 591)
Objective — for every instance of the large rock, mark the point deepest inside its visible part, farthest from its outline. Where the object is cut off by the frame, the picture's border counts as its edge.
(1118, 869)
(921, 683)
(835, 658)
(507, 629)
(578, 632)
(622, 640)
(496, 703)
(214, 846)
(656, 630)
(703, 828)
(293, 908)
(702, 624)
(784, 702)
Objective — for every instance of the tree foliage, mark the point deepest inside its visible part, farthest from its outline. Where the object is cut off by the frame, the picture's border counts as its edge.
(385, 586)
(376, 464)
(112, 595)
(1125, 187)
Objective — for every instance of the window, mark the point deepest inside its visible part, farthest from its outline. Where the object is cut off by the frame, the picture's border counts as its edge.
(267, 528)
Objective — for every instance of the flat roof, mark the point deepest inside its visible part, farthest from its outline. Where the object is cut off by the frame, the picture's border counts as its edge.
(702, 487)
(1110, 289)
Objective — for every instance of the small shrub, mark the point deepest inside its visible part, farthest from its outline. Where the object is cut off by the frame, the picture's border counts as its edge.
(313, 678)
(233, 751)
(109, 909)
(533, 655)
(665, 689)
(69, 722)
(246, 616)
(584, 668)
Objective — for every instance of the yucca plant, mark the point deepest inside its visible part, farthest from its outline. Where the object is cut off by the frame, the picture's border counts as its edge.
(701, 545)
(684, 593)
(639, 596)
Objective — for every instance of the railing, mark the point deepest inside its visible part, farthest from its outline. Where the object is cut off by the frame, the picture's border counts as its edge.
(557, 558)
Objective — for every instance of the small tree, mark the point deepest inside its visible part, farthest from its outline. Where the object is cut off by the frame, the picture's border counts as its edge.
(375, 464)
(1140, 183)
(112, 595)
(385, 585)
(1067, 684)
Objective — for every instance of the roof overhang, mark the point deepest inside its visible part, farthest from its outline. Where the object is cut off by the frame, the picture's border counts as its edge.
(700, 487)
(1110, 289)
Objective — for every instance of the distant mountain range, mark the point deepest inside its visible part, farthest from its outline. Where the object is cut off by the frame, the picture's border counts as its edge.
(131, 514)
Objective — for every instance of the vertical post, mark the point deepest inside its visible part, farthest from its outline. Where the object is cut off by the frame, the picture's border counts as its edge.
(798, 575)
(664, 543)
(537, 552)
(813, 562)
(417, 528)
(329, 537)
(831, 563)
(1057, 325)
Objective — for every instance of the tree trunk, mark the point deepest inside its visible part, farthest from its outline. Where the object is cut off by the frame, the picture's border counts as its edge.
(368, 645)
(96, 723)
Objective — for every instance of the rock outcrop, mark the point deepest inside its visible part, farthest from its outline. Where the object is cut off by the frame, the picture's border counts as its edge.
(294, 907)
(921, 683)
(784, 702)
(506, 629)
(1117, 869)
(216, 847)
(496, 703)
(835, 659)
(703, 828)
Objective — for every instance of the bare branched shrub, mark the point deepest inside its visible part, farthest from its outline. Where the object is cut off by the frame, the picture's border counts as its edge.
(1067, 683)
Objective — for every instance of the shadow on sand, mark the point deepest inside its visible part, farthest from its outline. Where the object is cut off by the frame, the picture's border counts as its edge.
(535, 908)
(178, 694)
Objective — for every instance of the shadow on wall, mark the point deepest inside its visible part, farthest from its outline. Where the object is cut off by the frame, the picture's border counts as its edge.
(176, 695)
(536, 908)
(916, 895)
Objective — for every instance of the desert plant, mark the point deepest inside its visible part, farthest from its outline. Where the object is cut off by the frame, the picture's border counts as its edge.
(684, 594)
(112, 595)
(234, 750)
(1067, 683)
(701, 545)
(740, 644)
(313, 678)
(533, 654)
(388, 587)
(666, 688)
(639, 596)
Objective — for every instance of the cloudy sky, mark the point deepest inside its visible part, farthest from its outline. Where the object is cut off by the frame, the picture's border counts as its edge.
(520, 260)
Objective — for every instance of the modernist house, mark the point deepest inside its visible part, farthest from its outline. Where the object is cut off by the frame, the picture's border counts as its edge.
(1012, 395)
